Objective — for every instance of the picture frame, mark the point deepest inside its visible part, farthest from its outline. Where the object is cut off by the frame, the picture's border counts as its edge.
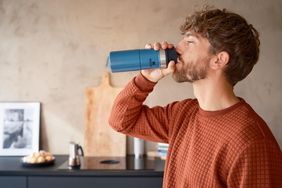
(19, 128)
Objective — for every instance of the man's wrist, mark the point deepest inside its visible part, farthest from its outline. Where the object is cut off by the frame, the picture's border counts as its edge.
(144, 83)
(151, 78)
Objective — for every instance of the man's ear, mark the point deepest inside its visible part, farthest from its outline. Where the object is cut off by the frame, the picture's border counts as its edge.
(220, 60)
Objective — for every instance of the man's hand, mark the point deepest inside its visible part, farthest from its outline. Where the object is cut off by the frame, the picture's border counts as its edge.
(155, 75)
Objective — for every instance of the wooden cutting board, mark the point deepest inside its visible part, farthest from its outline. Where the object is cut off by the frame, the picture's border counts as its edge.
(99, 138)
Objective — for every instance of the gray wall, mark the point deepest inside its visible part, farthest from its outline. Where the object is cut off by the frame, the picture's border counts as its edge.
(50, 51)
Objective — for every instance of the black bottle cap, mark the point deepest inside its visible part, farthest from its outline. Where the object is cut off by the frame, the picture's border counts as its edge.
(171, 55)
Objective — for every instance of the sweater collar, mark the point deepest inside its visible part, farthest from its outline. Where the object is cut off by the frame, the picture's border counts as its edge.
(223, 111)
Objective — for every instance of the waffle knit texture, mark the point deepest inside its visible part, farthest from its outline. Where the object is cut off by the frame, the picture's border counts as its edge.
(232, 147)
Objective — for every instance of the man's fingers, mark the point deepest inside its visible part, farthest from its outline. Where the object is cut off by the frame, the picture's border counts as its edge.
(148, 46)
(170, 46)
(164, 45)
(157, 46)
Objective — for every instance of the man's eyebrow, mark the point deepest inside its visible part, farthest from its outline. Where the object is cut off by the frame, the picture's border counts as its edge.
(189, 34)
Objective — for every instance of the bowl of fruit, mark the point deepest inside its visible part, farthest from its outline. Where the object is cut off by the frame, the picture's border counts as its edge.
(38, 159)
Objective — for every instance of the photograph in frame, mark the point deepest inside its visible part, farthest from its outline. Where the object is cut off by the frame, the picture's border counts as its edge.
(19, 128)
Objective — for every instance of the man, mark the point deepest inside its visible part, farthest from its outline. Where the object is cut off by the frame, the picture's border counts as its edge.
(217, 139)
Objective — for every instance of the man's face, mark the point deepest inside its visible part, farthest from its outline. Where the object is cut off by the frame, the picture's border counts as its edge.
(193, 62)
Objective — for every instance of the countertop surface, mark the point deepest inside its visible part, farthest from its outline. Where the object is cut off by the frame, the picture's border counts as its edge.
(90, 166)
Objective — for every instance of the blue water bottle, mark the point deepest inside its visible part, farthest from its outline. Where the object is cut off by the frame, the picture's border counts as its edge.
(139, 59)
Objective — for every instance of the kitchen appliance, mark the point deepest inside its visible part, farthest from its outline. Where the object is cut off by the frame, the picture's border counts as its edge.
(139, 59)
(139, 147)
(128, 163)
(75, 151)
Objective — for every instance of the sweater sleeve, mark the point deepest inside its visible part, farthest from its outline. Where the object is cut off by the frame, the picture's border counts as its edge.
(259, 165)
(131, 117)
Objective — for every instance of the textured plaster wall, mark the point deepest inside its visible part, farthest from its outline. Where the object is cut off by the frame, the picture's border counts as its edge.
(51, 50)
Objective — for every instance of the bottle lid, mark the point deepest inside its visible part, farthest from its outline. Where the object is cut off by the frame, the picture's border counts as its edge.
(171, 55)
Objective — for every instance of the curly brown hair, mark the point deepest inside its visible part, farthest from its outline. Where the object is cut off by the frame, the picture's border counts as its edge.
(230, 32)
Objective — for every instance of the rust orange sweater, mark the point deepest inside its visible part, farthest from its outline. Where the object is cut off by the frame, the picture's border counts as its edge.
(227, 148)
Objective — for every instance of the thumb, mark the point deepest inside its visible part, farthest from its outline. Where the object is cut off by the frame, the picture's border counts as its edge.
(170, 68)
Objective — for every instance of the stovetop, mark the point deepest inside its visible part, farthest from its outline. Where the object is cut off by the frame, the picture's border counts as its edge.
(117, 163)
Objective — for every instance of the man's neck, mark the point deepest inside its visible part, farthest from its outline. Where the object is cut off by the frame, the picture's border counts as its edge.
(214, 95)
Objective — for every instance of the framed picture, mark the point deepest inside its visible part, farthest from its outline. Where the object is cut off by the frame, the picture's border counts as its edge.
(19, 128)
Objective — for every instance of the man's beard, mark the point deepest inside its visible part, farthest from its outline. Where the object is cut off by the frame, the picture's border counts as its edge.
(191, 72)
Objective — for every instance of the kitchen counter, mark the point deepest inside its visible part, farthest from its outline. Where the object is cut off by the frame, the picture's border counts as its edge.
(12, 166)
(127, 172)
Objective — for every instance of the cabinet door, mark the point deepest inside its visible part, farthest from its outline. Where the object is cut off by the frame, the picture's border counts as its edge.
(95, 182)
(12, 182)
